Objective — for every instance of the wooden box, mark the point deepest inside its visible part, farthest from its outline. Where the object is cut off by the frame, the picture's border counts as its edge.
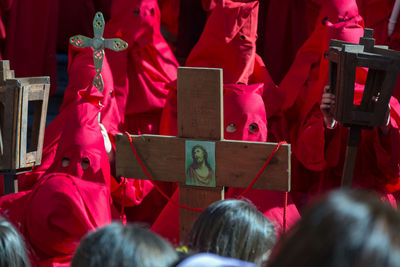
(17, 96)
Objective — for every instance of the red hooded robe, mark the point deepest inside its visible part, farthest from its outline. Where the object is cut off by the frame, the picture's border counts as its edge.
(142, 72)
(71, 199)
(80, 89)
(141, 77)
(319, 151)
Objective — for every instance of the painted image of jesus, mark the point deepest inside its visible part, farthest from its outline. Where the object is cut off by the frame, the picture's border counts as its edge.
(200, 172)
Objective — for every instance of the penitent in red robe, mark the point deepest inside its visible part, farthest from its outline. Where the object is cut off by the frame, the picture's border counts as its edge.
(81, 94)
(79, 90)
(71, 199)
(232, 27)
(141, 76)
(143, 71)
(318, 153)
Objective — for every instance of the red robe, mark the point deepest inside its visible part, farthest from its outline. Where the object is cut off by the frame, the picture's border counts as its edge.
(141, 77)
(56, 214)
(284, 29)
(142, 72)
(170, 19)
(30, 44)
(82, 97)
(72, 198)
(80, 90)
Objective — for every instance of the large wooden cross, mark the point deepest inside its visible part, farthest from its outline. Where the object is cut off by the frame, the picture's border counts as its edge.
(200, 117)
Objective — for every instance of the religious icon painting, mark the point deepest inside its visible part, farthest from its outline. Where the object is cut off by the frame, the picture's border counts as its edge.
(200, 163)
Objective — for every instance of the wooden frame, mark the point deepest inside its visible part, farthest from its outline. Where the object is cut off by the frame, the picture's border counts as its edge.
(383, 68)
(15, 96)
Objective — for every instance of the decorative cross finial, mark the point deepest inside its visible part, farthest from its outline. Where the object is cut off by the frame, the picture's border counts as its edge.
(98, 43)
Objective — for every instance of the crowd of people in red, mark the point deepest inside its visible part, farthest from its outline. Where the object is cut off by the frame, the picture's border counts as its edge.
(274, 73)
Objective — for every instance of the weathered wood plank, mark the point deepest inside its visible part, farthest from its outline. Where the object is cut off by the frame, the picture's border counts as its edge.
(237, 162)
(163, 156)
(200, 108)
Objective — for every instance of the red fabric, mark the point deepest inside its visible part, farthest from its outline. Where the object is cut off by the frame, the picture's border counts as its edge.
(56, 214)
(81, 73)
(31, 39)
(142, 72)
(76, 17)
(284, 29)
(170, 15)
(376, 14)
(5, 6)
(209, 5)
(243, 108)
(141, 77)
(273, 99)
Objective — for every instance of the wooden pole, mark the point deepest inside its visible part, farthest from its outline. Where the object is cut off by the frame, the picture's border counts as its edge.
(353, 141)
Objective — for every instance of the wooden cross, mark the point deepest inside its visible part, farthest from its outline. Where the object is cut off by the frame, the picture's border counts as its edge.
(200, 117)
(15, 95)
(98, 43)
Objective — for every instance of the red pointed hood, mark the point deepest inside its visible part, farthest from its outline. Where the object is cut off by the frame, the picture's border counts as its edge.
(228, 40)
(81, 73)
(134, 21)
(244, 113)
(82, 144)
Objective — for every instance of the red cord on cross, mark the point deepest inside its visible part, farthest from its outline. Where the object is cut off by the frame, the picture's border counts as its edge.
(198, 209)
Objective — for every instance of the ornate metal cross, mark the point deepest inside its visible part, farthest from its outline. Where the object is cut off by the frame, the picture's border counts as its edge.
(98, 43)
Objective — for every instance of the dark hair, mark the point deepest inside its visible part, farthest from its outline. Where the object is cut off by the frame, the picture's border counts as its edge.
(232, 228)
(344, 228)
(123, 246)
(12, 247)
(194, 164)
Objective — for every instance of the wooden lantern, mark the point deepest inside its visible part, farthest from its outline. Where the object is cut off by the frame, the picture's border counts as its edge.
(383, 67)
(17, 96)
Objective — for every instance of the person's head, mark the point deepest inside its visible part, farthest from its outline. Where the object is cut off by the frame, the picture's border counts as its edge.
(232, 228)
(344, 228)
(122, 246)
(199, 155)
(12, 247)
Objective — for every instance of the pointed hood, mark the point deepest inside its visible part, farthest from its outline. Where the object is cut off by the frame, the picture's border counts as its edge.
(81, 151)
(244, 113)
(228, 40)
